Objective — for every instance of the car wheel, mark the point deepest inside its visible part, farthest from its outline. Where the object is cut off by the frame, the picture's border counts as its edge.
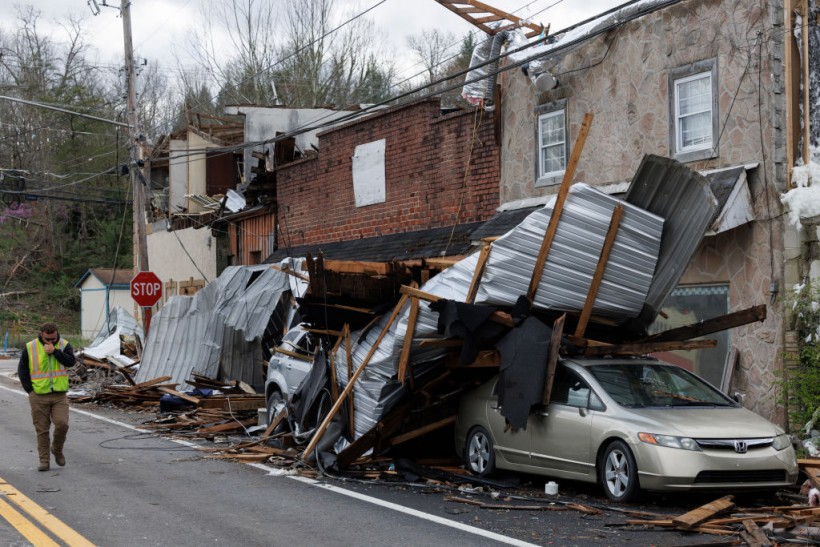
(479, 453)
(275, 399)
(618, 473)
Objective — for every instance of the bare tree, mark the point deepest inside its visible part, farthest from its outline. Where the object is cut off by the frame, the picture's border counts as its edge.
(300, 54)
(432, 47)
(441, 54)
(246, 29)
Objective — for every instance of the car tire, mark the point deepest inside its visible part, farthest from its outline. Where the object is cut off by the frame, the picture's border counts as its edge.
(618, 472)
(274, 399)
(479, 452)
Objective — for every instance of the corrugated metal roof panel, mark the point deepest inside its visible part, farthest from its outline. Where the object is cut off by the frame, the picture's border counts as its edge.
(682, 196)
(216, 332)
(574, 256)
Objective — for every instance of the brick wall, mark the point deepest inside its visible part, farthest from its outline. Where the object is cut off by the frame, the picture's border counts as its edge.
(426, 157)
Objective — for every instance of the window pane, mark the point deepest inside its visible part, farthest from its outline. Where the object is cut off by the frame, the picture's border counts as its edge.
(552, 159)
(551, 136)
(695, 130)
(695, 96)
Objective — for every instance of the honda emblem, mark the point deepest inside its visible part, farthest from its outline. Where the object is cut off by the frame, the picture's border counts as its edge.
(741, 447)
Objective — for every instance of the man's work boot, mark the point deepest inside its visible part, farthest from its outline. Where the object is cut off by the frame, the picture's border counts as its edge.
(58, 457)
(43, 466)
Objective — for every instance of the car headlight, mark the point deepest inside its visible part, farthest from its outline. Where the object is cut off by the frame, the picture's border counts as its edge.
(781, 442)
(684, 443)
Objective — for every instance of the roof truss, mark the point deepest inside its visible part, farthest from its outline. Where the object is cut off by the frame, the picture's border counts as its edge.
(482, 15)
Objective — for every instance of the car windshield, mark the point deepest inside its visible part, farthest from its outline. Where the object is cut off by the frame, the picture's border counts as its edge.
(653, 384)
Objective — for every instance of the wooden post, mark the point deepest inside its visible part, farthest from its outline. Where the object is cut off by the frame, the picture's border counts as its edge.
(552, 360)
(552, 227)
(592, 294)
(479, 271)
(404, 361)
(349, 351)
(351, 381)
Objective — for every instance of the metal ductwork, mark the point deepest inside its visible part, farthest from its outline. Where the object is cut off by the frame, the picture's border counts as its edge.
(489, 90)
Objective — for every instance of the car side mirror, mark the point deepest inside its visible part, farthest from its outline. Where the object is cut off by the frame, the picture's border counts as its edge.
(738, 397)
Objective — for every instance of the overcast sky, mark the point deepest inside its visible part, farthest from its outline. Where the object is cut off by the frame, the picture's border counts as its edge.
(162, 26)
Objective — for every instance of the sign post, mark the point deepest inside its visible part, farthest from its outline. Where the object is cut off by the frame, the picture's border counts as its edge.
(146, 290)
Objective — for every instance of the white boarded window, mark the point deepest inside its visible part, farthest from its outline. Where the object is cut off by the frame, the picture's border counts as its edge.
(368, 173)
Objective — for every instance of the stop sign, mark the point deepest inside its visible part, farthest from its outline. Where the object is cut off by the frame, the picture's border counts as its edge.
(146, 289)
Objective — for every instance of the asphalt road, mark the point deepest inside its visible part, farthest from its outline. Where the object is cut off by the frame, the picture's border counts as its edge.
(122, 486)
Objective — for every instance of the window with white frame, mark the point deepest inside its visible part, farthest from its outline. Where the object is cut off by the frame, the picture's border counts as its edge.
(693, 110)
(551, 143)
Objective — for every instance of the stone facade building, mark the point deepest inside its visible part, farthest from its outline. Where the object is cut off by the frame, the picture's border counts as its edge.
(712, 83)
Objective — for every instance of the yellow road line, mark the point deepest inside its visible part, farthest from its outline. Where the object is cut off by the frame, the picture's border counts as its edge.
(49, 521)
(24, 526)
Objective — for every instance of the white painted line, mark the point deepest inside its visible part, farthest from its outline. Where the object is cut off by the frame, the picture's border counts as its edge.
(418, 514)
(271, 471)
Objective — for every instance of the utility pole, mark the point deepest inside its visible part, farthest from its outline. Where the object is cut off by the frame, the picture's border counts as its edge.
(135, 154)
(135, 139)
(135, 146)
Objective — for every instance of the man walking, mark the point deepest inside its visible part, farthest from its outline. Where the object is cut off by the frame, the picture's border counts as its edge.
(42, 372)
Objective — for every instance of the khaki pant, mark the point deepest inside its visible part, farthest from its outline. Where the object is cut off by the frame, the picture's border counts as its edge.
(47, 409)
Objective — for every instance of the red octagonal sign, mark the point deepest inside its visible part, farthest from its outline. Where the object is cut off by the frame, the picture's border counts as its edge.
(146, 289)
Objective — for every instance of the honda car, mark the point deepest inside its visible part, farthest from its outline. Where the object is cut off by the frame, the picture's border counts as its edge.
(630, 425)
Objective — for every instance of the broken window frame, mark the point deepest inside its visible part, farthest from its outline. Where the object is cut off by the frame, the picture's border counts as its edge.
(704, 301)
(677, 78)
(550, 110)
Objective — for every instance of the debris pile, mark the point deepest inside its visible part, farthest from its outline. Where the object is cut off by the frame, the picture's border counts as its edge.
(754, 526)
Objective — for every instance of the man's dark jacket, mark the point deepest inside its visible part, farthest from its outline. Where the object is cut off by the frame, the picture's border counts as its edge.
(64, 356)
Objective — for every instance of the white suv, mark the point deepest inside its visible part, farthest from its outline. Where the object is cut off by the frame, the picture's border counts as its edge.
(291, 361)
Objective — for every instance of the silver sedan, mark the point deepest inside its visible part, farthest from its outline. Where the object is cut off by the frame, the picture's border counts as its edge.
(629, 424)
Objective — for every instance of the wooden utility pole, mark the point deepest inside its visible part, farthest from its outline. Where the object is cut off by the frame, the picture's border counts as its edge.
(135, 139)
(134, 144)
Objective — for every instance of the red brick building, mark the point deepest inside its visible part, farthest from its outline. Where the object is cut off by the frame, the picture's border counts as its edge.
(407, 182)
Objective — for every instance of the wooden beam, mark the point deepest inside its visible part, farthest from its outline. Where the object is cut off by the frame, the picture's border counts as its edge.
(295, 355)
(150, 383)
(479, 271)
(349, 354)
(352, 381)
(806, 80)
(288, 271)
(552, 359)
(703, 513)
(183, 396)
(275, 422)
(649, 347)
(754, 535)
(480, 7)
(552, 227)
(442, 263)
(716, 324)
(357, 267)
(404, 437)
(404, 360)
(598, 277)
(498, 316)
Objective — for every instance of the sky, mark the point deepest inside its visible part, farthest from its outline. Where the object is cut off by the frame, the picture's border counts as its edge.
(163, 26)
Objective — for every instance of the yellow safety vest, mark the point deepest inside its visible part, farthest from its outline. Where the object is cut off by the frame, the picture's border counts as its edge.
(47, 373)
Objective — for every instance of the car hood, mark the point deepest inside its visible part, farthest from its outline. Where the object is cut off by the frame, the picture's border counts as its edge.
(702, 422)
